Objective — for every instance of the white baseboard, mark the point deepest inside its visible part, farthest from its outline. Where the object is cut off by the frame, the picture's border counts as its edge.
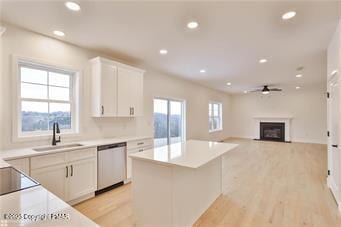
(335, 191)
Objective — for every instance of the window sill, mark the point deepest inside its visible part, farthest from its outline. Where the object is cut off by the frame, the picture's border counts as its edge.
(215, 130)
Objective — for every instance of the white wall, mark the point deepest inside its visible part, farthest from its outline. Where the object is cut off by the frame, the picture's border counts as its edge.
(306, 106)
(34, 46)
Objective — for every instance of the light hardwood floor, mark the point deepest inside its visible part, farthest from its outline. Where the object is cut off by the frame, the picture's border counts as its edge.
(264, 184)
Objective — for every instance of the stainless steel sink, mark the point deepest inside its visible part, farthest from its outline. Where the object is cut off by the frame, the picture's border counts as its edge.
(58, 147)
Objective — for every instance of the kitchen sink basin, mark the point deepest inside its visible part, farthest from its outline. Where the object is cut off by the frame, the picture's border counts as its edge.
(58, 147)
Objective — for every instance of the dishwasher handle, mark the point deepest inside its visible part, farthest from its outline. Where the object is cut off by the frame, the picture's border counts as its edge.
(111, 146)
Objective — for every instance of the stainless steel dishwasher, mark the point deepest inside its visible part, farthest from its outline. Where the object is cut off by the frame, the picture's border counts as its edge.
(111, 166)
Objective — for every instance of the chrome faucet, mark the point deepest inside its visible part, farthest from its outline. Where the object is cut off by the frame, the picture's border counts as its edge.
(56, 130)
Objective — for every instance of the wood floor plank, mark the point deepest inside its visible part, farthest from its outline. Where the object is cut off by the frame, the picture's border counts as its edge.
(264, 184)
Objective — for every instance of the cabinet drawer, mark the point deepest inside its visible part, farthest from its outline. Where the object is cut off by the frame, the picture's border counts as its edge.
(140, 143)
(132, 151)
(82, 154)
(48, 160)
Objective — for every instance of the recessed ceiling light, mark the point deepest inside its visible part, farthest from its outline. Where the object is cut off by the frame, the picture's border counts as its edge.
(59, 33)
(245, 92)
(288, 15)
(163, 51)
(299, 75)
(333, 72)
(298, 87)
(228, 83)
(263, 60)
(72, 6)
(202, 71)
(192, 25)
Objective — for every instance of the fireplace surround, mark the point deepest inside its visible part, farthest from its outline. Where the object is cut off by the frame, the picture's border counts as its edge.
(273, 131)
(277, 119)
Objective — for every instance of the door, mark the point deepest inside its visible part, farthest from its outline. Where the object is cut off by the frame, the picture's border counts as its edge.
(108, 90)
(53, 178)
(82, 178)
(334, 152)
(169, 121)
(129, 92)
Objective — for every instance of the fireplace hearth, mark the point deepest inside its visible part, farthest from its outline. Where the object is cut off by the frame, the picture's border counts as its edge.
(273, 131)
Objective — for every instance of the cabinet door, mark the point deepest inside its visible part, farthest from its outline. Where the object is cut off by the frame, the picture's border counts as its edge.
(108, 90)
(124, 104)
(129, 161)
(136, 93)
(53, 178)
(83, 178)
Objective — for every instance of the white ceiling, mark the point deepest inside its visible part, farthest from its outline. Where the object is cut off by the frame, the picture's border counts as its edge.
(232, 37)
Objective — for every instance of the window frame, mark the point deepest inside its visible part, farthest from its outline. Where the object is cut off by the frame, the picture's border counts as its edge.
(18, 134)
(220, 128)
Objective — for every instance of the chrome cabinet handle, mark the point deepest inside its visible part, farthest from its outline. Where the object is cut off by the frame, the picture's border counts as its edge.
(67, 171)
(335, 145)
(102, 110)
(71, 170)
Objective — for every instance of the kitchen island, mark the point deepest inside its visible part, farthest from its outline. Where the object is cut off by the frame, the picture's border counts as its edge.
(174, 185)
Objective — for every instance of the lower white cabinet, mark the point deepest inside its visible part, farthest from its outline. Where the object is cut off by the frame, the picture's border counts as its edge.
(70, 180)
(53, 178)
(82, 179)
(134, 147)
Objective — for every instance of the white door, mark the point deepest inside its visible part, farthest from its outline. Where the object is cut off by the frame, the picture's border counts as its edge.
(53, 178)
(334, 152)
(123, 92)
(129, 92)
(108, 90)
(82, 178)
(136, 93)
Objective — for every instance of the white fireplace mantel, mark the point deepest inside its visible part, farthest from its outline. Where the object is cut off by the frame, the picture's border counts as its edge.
(285, 120)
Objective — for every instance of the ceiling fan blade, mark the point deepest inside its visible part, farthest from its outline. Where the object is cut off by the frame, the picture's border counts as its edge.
(257, 90)
(275, 89)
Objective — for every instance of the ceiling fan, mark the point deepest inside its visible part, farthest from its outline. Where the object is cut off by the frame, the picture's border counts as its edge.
(266, 90)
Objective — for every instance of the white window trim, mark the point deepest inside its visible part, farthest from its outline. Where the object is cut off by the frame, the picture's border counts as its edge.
(221, 117)
(17, 136)
(184, 126)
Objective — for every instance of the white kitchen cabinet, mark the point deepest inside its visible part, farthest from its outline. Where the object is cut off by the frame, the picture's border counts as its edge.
(53, 178)
(70, 175)
(22, 164)
(134, 147)
(83, 178)
(129, 93)
(104, 94)
(117, 89)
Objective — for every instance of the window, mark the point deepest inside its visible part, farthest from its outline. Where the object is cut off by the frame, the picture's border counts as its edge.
(215, 119)
(46, 95)
(169, 121)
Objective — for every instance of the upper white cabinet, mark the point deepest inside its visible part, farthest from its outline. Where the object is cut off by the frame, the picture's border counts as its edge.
(117, 89)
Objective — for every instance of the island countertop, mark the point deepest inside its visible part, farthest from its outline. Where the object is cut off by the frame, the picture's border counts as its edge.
(190, 154)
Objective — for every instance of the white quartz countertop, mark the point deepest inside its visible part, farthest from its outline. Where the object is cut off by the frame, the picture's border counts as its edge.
(191, 153)
(29, 152)
(38, 207)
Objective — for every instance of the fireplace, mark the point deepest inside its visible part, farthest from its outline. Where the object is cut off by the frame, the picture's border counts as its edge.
(274, 131)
